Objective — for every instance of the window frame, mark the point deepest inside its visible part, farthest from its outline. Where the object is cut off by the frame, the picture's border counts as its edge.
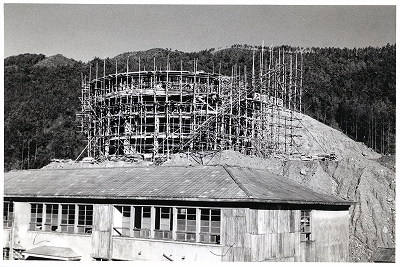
(66, 220)
(6, 253)
(188, 234)
(51, 219)
(35, 224)
(85, 219)
(305, 225)
(142, 223)
(166, 222)
(191, 232)
(70, 215)
(209, 234)
(8, 214)
(123, 230)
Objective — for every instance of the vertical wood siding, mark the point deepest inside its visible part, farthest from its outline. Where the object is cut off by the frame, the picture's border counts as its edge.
(330, 237)
(261, 235)
(101, 236)
(274, 235)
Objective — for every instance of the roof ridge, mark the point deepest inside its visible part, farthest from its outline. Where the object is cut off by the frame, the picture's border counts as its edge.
(241, 186)
(116, 167)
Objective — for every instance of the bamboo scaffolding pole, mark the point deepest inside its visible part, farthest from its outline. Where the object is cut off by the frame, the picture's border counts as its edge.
(207, 108)
(246, 118)
(230, 108)
(295, 84)
(180, 106)
(167, 109)
(301, 79)
(129, 123)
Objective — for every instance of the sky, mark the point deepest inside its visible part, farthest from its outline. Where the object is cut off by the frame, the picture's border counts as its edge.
(83, 31)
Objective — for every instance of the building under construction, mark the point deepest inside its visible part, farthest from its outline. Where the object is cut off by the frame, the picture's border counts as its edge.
(159, 112)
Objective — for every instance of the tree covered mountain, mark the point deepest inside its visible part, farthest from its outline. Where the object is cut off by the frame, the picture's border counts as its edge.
(40, 103)
(349, 89)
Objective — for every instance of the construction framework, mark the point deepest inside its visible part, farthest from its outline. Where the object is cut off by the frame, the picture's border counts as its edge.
(155, 113)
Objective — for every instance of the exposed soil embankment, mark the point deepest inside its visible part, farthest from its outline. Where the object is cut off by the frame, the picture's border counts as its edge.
(359, 175)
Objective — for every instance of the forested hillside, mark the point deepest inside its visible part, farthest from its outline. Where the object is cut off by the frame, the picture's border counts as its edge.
(352, 90)
(40, 102)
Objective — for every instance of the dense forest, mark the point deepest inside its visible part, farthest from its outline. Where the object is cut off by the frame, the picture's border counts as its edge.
(352, 90)
(40, 103)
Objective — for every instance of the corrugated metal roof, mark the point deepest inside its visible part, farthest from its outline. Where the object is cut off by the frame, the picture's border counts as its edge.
(261, 184)
(205, 183)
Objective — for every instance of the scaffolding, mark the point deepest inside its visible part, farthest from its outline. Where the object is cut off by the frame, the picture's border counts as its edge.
(152, 114)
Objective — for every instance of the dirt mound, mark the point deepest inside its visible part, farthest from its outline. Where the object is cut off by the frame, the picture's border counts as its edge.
(317, 137)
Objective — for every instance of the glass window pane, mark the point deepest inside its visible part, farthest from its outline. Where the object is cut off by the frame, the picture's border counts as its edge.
(305, 225)
(191, 228)
(204, 223)
(204, 229)
(215, 213)
(180, 236)
(191, 222)
(215, 230)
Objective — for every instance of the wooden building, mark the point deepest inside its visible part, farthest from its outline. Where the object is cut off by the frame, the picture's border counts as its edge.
(179, 213)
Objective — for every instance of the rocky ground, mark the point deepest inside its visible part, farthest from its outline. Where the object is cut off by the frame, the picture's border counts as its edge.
(357, 174)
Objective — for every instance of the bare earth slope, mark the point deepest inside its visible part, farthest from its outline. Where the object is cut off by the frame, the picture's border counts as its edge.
(356, 175)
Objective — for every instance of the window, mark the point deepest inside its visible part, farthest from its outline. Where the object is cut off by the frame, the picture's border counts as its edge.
(85, 218)
(6, 253)
(132, 221)
(163, 226)
(8, 214)
(305, 225)
(186, 224)
(36, 217)
(168, 223)
(122, 217)
(74, 218)
(67, 218)
(142, 224)
(210, 226)
(51, 223)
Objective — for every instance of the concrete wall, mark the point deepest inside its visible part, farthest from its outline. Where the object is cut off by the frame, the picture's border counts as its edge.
(81, 244)
(153, 250)
(6, 237)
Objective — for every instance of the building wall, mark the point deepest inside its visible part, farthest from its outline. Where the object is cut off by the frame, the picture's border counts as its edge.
(247, 234)
(329, 238)
(6, 238)
(153, 250)
(30, 239)
(274, 235)
(126, 248)
(101, 232)
(269, 235)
